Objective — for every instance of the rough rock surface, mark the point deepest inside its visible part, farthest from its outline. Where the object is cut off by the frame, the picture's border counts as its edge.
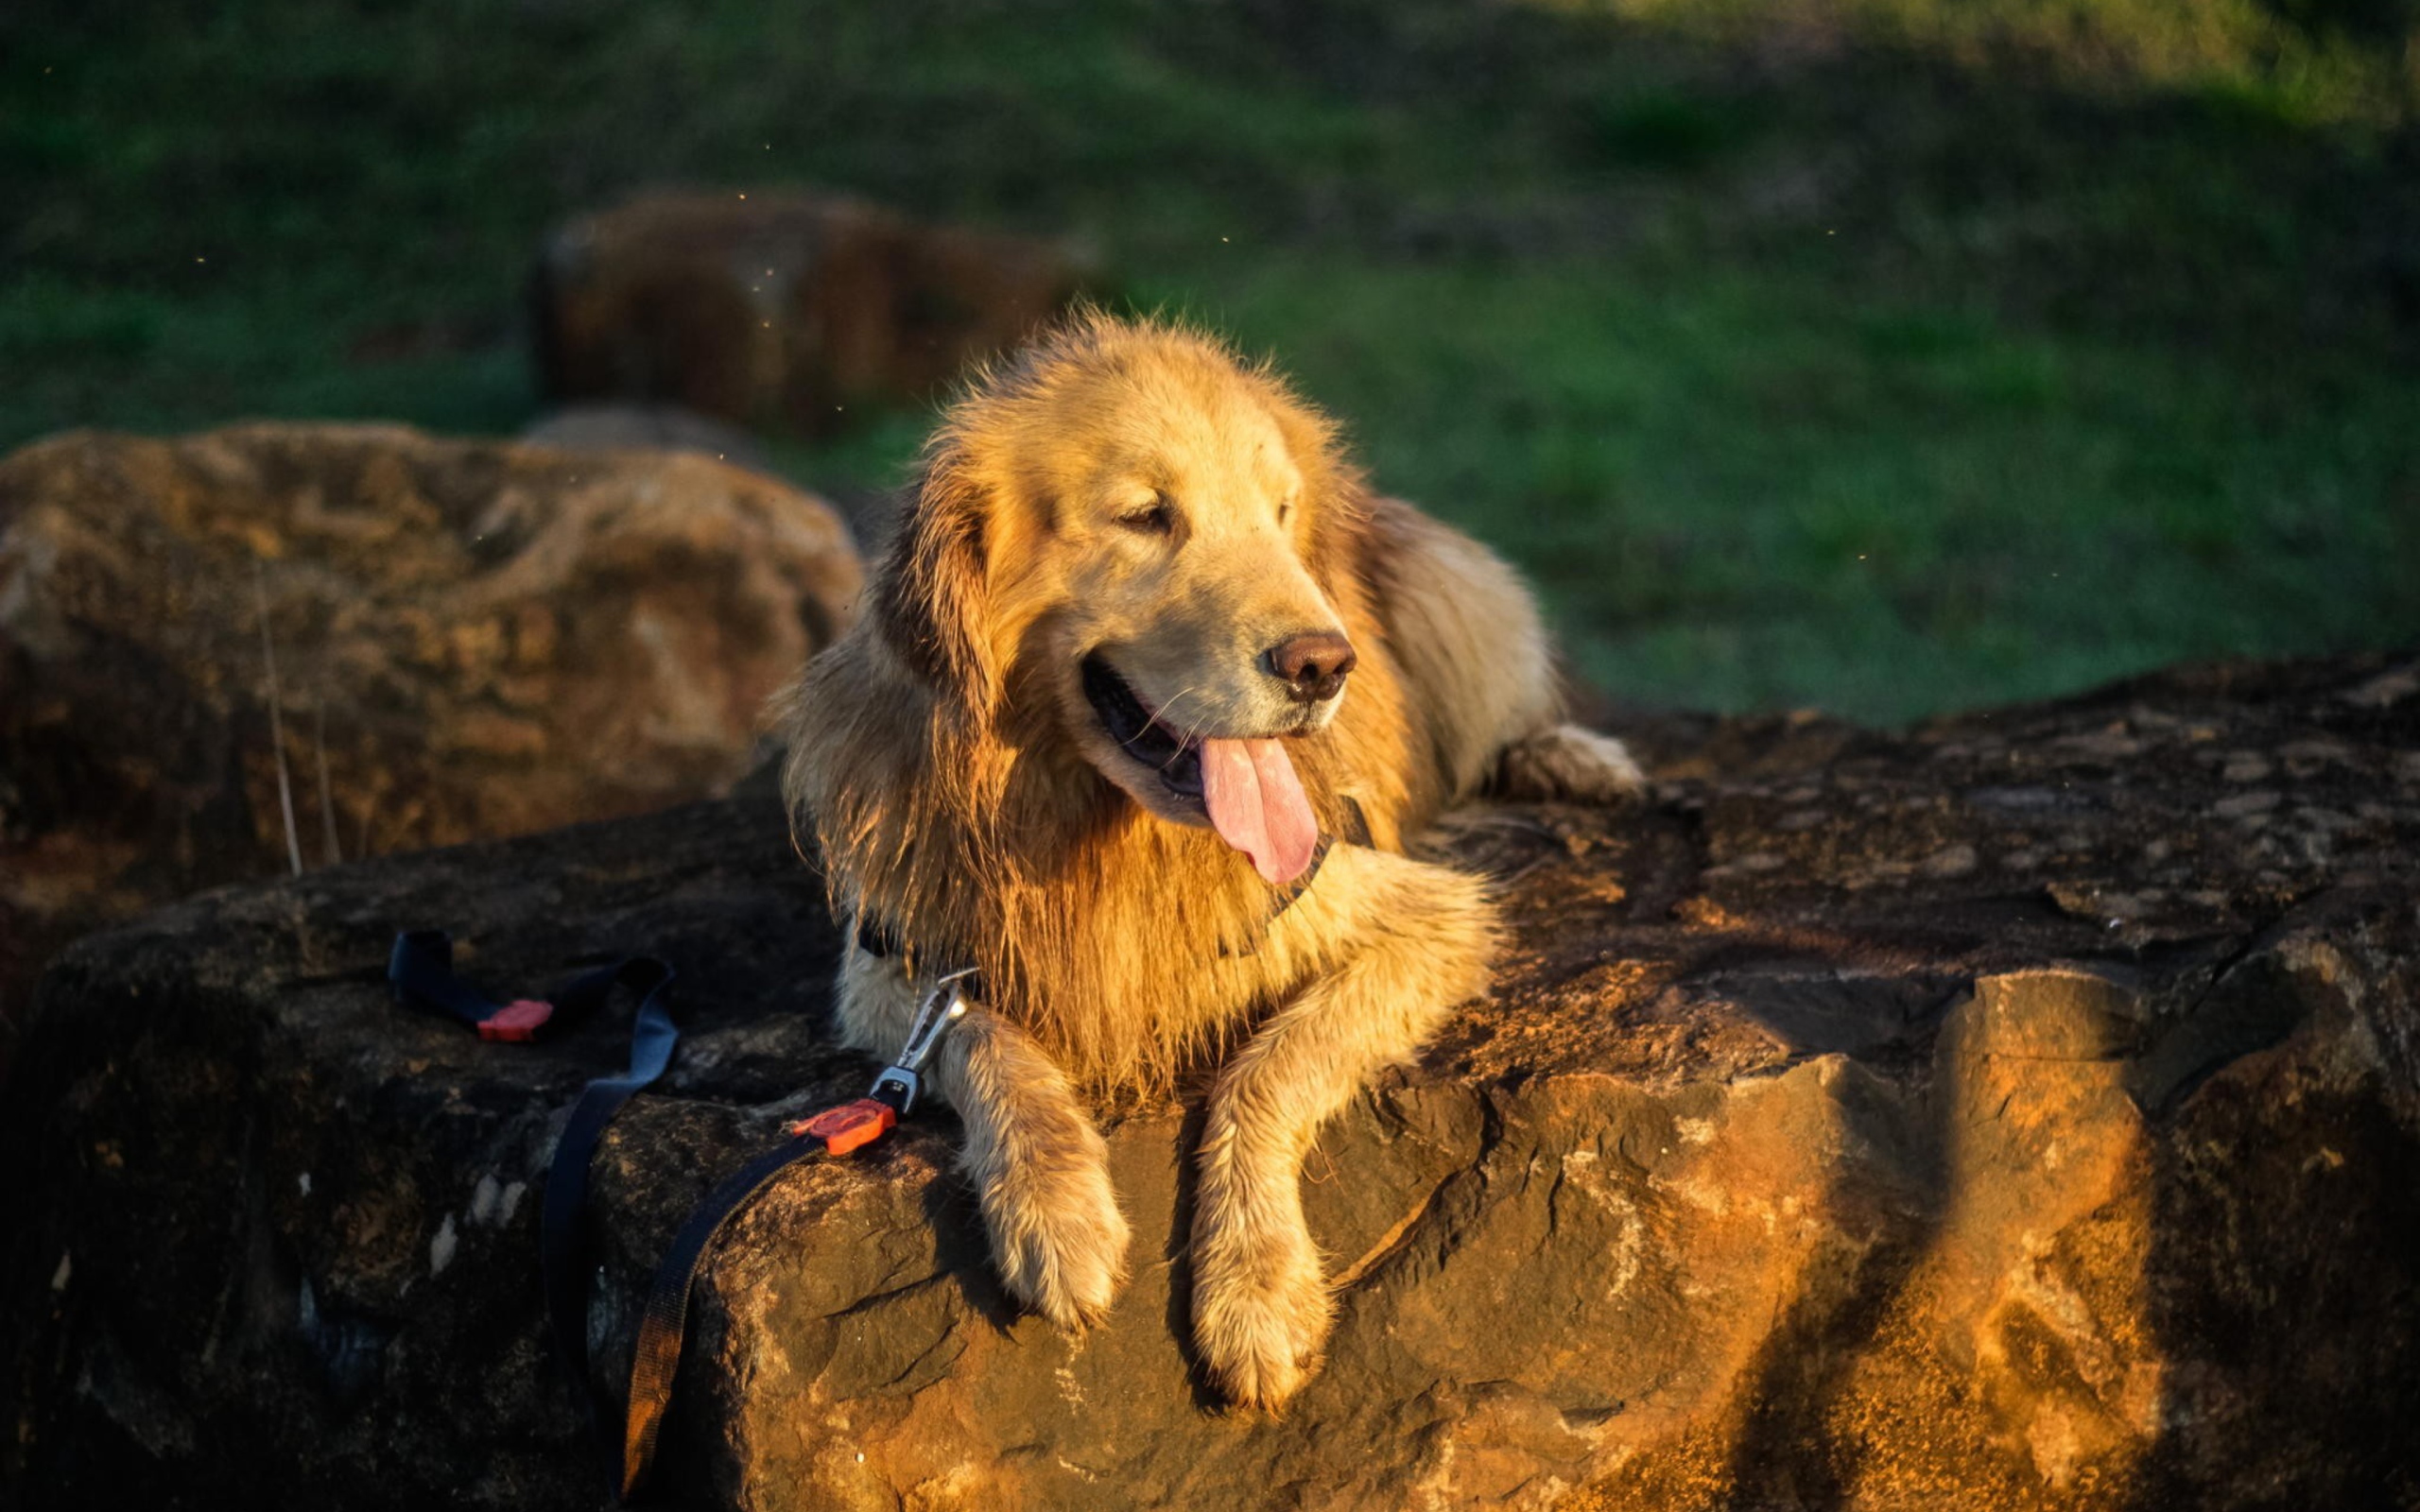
(2021, 1111)
(472, 638)
(781, 308)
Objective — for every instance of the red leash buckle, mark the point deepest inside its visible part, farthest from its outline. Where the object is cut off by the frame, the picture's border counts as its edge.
(849, 1126)
(517, 1022)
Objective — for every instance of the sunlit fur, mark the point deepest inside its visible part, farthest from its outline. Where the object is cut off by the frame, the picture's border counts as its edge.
(961, 791)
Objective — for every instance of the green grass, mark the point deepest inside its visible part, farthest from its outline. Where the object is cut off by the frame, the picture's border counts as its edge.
(1913, 357)
(1738, 493)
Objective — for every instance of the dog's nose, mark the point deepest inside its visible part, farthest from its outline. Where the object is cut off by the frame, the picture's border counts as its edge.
(1312, 665)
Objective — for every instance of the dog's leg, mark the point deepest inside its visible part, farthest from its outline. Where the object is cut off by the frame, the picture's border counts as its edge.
(1039, 1166)
(1568, 765)
(1261, 1309)
(1479, 669)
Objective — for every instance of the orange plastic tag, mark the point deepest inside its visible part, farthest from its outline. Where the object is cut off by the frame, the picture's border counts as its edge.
(850, 1125)
(516, 1023)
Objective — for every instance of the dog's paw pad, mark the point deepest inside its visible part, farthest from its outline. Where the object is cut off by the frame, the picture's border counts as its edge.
(1570, 764)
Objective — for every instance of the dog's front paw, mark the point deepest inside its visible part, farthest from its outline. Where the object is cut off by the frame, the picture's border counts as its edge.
(1261, 1311)
(1570, 764)
(1058, 1238)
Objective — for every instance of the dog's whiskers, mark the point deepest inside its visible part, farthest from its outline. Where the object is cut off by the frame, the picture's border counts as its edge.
(1190, 740)
(1184, 741)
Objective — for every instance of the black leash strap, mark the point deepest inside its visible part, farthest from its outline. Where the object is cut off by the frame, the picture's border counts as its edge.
(420, 970)
(656, 1358)
(421, 975)
(563, 1252)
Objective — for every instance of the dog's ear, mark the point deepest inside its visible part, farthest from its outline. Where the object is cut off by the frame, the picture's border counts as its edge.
(929, 596)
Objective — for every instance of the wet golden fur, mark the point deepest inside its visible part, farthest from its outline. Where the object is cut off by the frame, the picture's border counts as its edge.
(963, 793)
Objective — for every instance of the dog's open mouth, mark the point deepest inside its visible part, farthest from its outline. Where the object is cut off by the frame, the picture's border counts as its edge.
(1177, 760)
(1245, 785)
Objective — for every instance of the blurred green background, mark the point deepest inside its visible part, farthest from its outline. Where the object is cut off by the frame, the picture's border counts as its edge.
(1885, 355)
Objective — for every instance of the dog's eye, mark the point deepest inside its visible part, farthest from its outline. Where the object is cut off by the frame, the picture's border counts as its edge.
(1152, 519)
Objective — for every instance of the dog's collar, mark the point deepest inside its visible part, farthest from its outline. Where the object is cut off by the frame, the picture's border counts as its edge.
(881, 938)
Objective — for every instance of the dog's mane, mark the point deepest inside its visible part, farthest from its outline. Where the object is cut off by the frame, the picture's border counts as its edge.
(948, 798)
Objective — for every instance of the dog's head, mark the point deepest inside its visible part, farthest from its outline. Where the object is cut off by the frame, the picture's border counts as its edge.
(1133, 540)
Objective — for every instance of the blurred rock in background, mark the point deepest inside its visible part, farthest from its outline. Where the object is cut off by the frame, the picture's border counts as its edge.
(868, 511)
(472, 638)
(781, 308)
(647, 428)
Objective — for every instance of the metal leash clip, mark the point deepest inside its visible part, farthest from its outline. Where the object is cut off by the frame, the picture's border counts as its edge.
(943, 1006)
(853, 1125)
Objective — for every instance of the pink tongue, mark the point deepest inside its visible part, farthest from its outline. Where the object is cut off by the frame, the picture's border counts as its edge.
(1257, 806)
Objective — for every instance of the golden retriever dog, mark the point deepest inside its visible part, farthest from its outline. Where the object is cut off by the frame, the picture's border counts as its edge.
(1151, 694)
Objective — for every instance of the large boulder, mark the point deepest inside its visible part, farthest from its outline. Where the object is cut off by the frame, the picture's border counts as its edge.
(472, 639)
(2019, 1112)
(781, 308)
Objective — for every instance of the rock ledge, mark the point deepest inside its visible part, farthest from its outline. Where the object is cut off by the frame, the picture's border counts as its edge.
(2020, 1112)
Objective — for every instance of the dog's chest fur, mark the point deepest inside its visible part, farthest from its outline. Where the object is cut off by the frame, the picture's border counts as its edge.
(1129, 946)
